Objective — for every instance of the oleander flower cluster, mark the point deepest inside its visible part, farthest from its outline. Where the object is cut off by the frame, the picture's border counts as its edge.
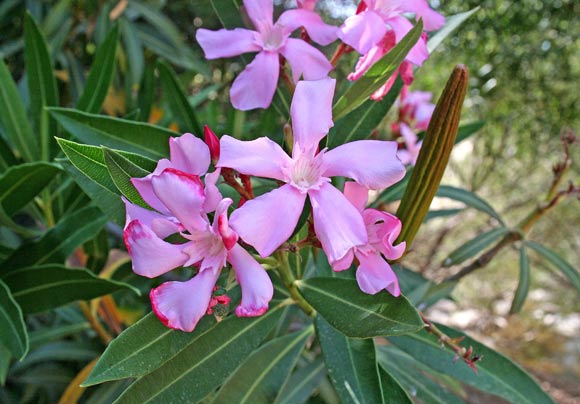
(186, 222)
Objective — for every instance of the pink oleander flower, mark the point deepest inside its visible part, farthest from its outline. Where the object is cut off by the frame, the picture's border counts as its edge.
(415, 110)
(373, 273)
(181, 203)
(255, 86)
(378, 26)
(269, 220)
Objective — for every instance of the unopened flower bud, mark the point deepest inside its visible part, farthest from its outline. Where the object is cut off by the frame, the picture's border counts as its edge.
(212, 142)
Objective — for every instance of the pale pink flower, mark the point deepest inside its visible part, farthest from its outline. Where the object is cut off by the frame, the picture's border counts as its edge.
(255, 86)
(378, 26)
(181, 205)
(373, 273)
(269, 220)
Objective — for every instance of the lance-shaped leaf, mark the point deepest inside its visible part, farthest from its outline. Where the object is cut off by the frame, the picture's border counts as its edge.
(392, 390)
(13, 333)
(45, 287)
(58, 243)
(557, 262)
(260, 377)
(357, 314)
(101, 74)
(121, 171)
(41, 85)
(467, 130)
(468, 198)
(5, 358)
(199, 368)
(451, 24)
(302, 383)
(146, 95)
(377, 75)
(360, 123)
(14, 123)
(178, 104)
(351, 365)
(496, 373)
(137, 137)
(20, 184)
(134, 50)
(523, 283)
(475, 246)
(433, 157)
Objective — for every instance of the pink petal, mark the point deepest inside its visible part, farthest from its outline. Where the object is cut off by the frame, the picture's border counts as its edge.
(318, 30)
(257, 289)
(261, 157)
(261, 12)
(189, 154)
(383, 230)
(337, 223)
(385, 88)
(307, 4)
(375, 274)
(419, 53)
(212, 193)
(151, 255)
(343, 263)
(269, 220)
(362, 31)
(256, 85)
(366, 61)
(161, 225)
(226, 43)
(432, 20)
(305, 60)
(180, 305)
(145, 189)
(311, 113)
(183, 194)
(372, 163)
(221, 226)
(356, 194)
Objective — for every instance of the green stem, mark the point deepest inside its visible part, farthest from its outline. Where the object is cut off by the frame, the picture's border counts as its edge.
(289, 281)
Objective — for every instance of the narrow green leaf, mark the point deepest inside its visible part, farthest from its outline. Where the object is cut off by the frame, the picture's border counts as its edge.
(395, 192)
(57, 244)
(7, 158)
(134, 49)
(65, 351)
(524, 282)
(558, 262)
(5, 359)
(302, 383)
(101, 74)
(496, 374)
(20, 184)
(413, 377)
(351, 365)
(260, 377)
(13, 333)
(357, 314)
(434, 155)
(146, 92)
(14, 123)
(451, 24)
(41, 85)
(137, 137)
(45, 287)
(467, 130)
(360, 123)
(377, 75)
(45, 335)
(228, 13)
(392, 390)
(435, 214)
(468, 198)
(201, 367)
(178, 104)
(475, 246)
(121, 171)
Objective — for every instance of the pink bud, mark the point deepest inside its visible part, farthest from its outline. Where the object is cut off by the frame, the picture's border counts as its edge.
(212, 142)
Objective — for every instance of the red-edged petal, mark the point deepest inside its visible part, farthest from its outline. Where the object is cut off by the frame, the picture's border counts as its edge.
(225, 43)
(151, 255)
(375, 274)
(305, 60)
(189, 154)
(180, 305)
(257, 289)
(311, 113)
(261, 157)
(161, 225)
(372, 163)
(269, 220)
(318, 30)
(363, 31)
(338, 224)
(145, 189)
(221, 225)
(256, 85)
(183, 194)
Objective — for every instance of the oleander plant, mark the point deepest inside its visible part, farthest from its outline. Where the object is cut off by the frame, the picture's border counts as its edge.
(218, 201)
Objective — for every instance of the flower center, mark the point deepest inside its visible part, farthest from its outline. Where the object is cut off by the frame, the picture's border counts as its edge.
(306, 172)
(272, 37)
